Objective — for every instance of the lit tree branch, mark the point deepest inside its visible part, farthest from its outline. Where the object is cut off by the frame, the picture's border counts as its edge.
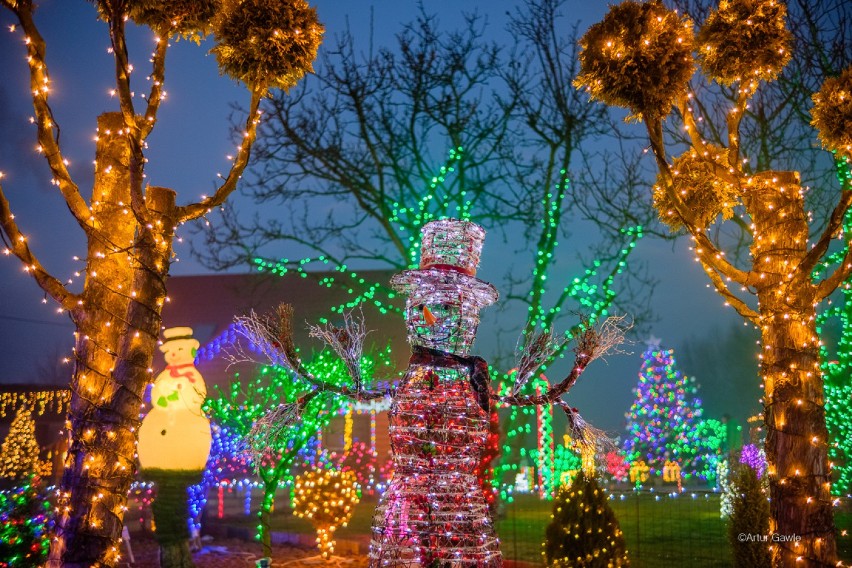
(834, 224)
(195, 210)
(122, 69)
(734, 118)
(706, 250)
(722, 288)
(840, 274)
(17, 245)
(157, 77)
(48, 130)
(689, 122)
(685, 105)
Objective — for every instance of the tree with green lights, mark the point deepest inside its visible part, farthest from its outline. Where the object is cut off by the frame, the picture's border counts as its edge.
(19, 452)
(837, 368)
(240, 406)
(584, 531)
(25, 518)
(446, 124)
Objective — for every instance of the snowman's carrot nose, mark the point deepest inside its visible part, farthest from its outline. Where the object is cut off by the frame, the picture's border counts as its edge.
(428, 316)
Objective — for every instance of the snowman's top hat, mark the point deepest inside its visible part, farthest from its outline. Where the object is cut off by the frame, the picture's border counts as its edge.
(177, 333)
(449, 257)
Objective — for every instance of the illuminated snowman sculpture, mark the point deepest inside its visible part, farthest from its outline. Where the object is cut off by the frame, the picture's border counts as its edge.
(433, 513)
(175, 434)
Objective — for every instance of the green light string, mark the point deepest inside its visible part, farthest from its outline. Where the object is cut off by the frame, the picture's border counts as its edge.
(837, 368)
(436, 202)
(243, 402)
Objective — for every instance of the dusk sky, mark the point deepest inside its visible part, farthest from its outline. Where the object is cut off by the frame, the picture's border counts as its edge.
(189, 147)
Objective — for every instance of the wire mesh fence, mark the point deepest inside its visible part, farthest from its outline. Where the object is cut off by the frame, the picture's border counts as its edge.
(661, 530)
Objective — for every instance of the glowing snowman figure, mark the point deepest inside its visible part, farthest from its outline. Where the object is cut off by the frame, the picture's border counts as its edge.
(175, 434)
(433, 514)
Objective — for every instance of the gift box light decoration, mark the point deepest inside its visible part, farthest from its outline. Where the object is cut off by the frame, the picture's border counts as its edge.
(433, 511)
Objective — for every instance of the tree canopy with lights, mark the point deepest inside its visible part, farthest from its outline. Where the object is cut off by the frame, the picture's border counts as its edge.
(130, 228)
(642, 56)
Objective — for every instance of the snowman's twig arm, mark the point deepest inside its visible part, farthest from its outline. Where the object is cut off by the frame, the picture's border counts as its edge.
(272, 335)
(592, 343)
(552, 394)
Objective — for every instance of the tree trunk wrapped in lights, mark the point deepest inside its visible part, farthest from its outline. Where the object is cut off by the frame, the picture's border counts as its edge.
(129, 231)
(433, 512)
(640, 56)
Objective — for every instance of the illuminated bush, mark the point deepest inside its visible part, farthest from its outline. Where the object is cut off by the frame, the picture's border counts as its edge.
(327, 497)
(584, 531)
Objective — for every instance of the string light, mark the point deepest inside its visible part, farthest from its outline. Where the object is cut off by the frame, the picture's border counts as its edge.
(733, 49)
(326, 497)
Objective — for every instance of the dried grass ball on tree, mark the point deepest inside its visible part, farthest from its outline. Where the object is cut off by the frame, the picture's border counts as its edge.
(744, 40)
(187, 18)
(696, 179)
(267, 43)
(639, 56)
(832, 113)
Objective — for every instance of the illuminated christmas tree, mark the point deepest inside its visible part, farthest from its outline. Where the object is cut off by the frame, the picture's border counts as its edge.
(662, 422)
(24, 523)
(584, 531)
(19, 453)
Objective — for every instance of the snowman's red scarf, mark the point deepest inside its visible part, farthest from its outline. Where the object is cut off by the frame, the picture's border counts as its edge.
(175, 371)
(480, 379)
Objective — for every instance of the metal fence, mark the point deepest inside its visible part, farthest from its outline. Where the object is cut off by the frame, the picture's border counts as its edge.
(660, 530)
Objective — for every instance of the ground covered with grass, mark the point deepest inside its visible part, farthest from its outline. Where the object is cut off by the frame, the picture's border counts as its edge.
(661, 531)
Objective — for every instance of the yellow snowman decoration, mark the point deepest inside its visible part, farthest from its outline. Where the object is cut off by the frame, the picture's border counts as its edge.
(175, 434)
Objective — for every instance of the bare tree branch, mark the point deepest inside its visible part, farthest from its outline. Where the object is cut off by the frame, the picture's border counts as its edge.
(17, 245)
(195, 210)
(48, 130)
(593, 343)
